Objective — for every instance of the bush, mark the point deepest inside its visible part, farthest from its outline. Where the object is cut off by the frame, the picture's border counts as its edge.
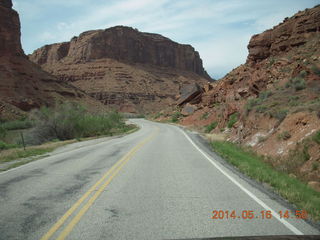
(315, 70)
(262, 109)
(316, 137)
(211, 126)
(17, 124)
(303, 74)
(279, 114)
(68, 121)
(3, 132)
(204, 116)
(284, 135)
(4, 145)
(175, 117)
(297, 83)
(265, 95)
(252, 103)
(232, 120)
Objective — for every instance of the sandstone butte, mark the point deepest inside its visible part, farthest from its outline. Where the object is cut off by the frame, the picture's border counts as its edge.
(23, 84)
(274, 96)
(126, 69)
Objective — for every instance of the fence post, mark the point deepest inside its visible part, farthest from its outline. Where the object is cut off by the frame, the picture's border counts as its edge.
(22, 138)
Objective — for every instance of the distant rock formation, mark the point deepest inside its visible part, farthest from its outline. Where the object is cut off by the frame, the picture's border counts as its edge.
(23, 84)
(122, 67)
(123, 44)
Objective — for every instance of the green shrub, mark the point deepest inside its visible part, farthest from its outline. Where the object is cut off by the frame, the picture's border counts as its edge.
(316, 137)
(3, 132)
(4, 145)
(303, 74)
(292, 189)
(279, 114)
(315, 70)
(315, 166)
(264, 95)
(17, 124)
(252, 103)
(298, 83)
(232, 120)
(284, 135)
(175, 117)
(262, 109)
(211, 126)
(69, 120)
(204, 116)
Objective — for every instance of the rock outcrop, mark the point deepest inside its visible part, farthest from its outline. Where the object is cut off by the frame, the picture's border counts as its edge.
(23, 84)
(271, 103)
(9, 30)
(124, 68)
(291, 33)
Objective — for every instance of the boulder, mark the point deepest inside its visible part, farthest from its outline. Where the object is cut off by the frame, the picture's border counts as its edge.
(188, 93)
(188, 109)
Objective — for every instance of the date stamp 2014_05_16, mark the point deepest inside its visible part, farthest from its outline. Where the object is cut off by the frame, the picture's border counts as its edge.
(265, 214)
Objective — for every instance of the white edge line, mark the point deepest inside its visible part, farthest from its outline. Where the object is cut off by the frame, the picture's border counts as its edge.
(265, 206)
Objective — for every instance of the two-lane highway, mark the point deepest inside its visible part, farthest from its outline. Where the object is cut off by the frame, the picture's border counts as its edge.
(157, 183)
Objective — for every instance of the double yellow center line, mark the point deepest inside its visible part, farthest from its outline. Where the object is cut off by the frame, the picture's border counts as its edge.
(98, 187)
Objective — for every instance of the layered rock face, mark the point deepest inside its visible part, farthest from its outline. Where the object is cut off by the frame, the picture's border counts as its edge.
(23, 84)
(274, 97)
(123, 44)
(291, 33)
(122, 67)
(9, 30)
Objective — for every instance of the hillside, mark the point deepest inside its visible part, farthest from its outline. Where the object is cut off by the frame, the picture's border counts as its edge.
(23, 84)
(124, 68)
(271, 103)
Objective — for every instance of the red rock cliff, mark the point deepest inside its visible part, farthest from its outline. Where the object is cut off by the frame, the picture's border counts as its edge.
(23, 84)
(291, 33)
(123, 44)
(9, 30)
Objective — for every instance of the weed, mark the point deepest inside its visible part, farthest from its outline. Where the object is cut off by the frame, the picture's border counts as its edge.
(298, 83)
(204, 116)
(233, 119)
(251, 103)
(279, 114)
(253, 165)
(4, 145)
(315, 70)
(3, 132)
(158, 115)
(261, 109)
(175, 117)
(303, 74)
(262, 139)
(211, 126)
(264, 95)
(17, 124)
(316, 137)
(284, 136)
(315, 166)
(271, 61)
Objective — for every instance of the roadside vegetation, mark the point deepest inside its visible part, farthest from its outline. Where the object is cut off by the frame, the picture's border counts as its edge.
(64, 122)
(254, 166)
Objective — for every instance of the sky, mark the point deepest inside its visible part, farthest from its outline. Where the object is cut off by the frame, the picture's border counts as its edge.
(219, 30)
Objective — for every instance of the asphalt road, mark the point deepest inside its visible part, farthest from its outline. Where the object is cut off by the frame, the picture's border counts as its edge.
(158, 183)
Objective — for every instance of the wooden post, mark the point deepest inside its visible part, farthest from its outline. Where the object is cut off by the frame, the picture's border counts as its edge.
(22, 138)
